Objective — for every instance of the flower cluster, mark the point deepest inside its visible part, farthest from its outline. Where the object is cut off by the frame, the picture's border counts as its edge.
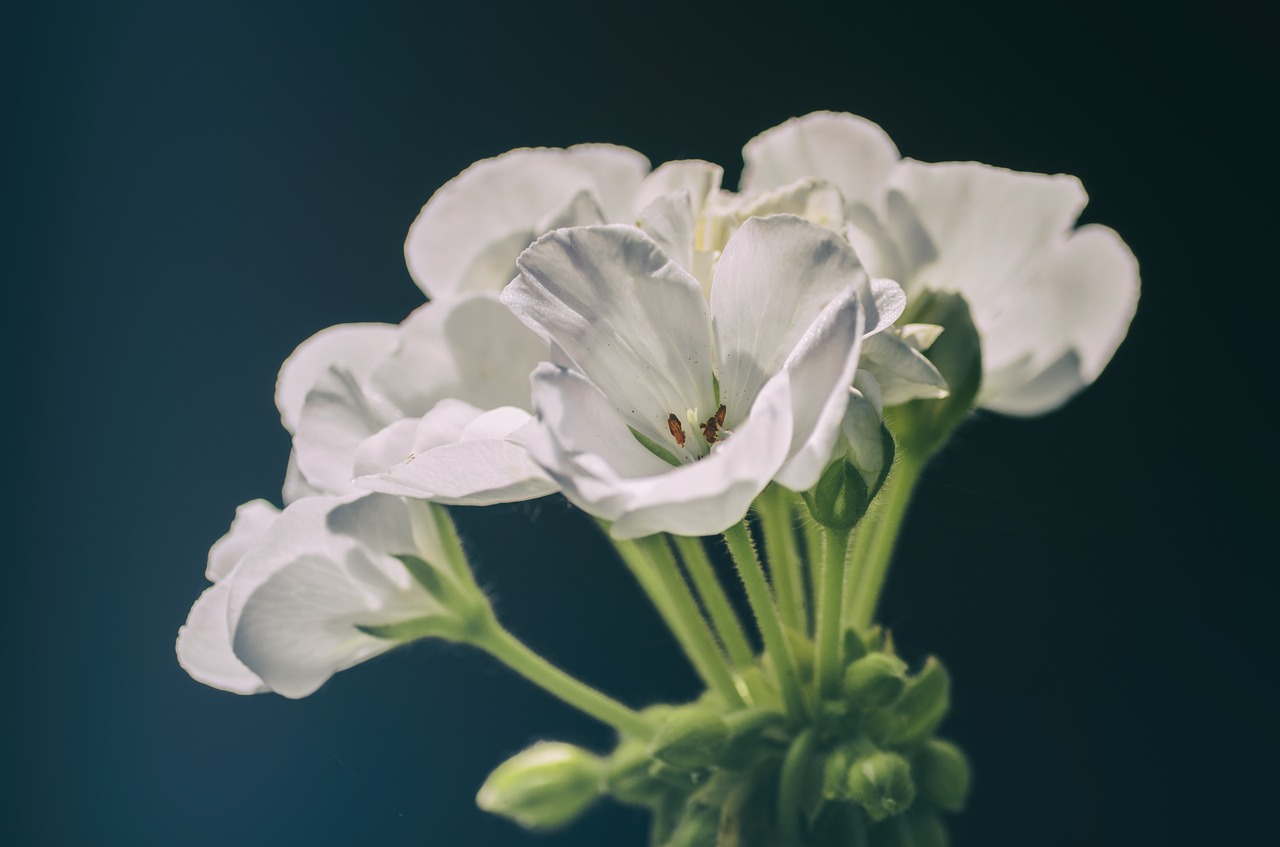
(678, 360)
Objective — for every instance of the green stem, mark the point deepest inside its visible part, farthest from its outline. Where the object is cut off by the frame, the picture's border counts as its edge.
(863, 533)
(743, 550)
(654, 567)
(812, 532)
(723, 619)
(785, 565)
(513, 653)
(831, 597)
(874, 565)
(791, 787)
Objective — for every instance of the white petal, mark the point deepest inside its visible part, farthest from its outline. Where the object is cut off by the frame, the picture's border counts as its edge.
(628, 318)
(775, 278)
(322, 569)
(888, 301)
(469, 348)
(901, 370)
(251, 520)
(586, 446)
(387, 447)
(690, 178)
(481, 464)
(813, 200)
(861, 428)
(851, 152)
(821, 368)
(295, 484)
(1063, 326)
(204, 646)
(671, 223)
(467, 236)
(353, 347)
(977, 229)
(616, 174)
(336, 418)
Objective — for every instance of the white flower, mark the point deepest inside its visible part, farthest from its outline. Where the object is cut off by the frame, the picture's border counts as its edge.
(296, 592)
(746, 389)
(1051, 302)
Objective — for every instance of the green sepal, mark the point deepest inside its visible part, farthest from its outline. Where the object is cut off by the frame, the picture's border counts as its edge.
(627, 779)
(943, 774)
(427, 626)
(693, 738)
(875, 680)
(655, 448)
(922, 426)
(753, 734)
(460, 600)
(840, 498)
(917, 713)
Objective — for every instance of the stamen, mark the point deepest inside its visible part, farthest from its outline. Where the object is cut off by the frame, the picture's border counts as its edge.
(677, 431)
(711, 429)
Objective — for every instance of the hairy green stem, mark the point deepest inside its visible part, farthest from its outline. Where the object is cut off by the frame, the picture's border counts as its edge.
(811, 530)
(831, 600)
(724, 620)
(513, 653)
(743, 550)
(785, 565)
(792, 787)
(875, 554)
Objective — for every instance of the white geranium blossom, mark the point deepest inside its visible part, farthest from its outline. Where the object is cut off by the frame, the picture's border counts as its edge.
(293, 589)
(735, 392)
(1051, 302)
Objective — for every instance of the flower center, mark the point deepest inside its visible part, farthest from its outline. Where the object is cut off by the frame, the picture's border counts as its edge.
(712, 428)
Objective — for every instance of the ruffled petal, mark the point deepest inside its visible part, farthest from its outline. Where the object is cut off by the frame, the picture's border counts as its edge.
(204, 646)
(356, 348)
(627, 317)
(850, 152)
(337, 417)
(1056, 334)
(470, 348)
(321, 571)
(251, 520)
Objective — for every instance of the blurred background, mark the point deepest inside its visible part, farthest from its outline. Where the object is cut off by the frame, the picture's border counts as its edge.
(190, 190)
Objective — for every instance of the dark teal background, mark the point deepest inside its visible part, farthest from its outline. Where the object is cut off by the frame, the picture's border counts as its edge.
(190, 190)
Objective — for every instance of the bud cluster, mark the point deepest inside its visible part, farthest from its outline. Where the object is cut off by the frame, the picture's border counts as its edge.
(866, 769)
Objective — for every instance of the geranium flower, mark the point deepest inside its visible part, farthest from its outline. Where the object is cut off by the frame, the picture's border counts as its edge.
(301, 594)
(665, 411)
(1050, 301)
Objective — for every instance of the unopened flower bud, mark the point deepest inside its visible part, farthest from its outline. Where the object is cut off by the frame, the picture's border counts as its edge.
(943, 773)
(881, 783)
(543, 787)
(876, 679)
(840, 498)
(692, 738)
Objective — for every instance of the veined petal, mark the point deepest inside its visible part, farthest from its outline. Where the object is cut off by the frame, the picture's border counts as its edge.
(776, 277)
(902, 371)
(353, 347)
(631, 320)
(616, 174)
(204, 646)
(480, 463)
(585, 445)
(469, 233)
(851, 152)
(976, 229)
(1057, 332)
(251, 521)
(323, 569)
(697, 180)
(336, 418)
(470, 348)
(821, 368)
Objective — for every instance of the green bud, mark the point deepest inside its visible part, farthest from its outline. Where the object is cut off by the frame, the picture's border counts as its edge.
(917, 713)
(840, 498)
(693, 738)
(543, 787)
(881, 783)
(910, 830)
(875, 680)
(943, 773)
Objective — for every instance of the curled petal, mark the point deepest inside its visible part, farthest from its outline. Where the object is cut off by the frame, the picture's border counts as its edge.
(355, 348)
(204, 646)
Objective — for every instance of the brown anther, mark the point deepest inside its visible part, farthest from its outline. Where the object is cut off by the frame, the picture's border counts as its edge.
(720, 416)
(711, 429)
(677, 431)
